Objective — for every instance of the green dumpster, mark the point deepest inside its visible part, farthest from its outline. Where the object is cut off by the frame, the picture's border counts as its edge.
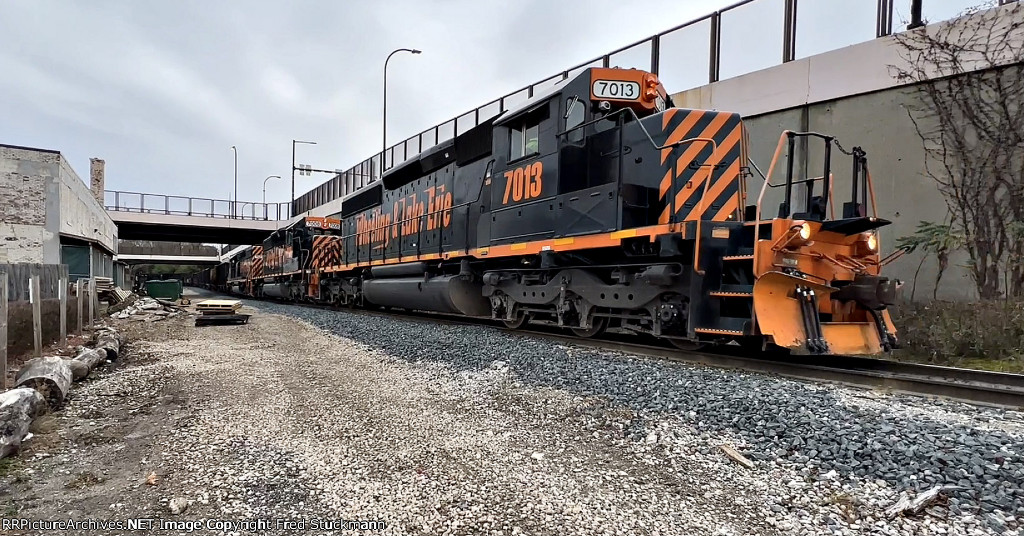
(165, 289)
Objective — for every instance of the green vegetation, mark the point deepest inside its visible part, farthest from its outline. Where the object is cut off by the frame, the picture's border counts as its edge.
(986, 335)
(931, 239)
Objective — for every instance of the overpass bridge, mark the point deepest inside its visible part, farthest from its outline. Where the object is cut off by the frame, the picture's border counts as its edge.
(180, 253)
(135, 258)
(141, 216)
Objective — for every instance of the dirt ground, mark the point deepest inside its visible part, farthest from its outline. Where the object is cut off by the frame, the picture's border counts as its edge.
(94, 453)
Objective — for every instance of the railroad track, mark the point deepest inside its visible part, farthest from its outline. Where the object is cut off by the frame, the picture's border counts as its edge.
(967, 385)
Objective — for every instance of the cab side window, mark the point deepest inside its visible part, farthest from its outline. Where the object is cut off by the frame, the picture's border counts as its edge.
(574, 115)
(524, 139)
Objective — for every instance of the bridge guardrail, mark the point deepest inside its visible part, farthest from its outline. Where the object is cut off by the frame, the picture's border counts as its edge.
(119, 201)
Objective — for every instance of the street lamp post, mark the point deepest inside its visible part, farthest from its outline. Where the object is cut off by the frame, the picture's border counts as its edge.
(265, 186)
(292, 203)
(384, 127)
(278, 211)
(234, 150)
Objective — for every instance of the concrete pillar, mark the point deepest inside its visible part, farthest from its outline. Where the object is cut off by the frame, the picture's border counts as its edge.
(96, 170)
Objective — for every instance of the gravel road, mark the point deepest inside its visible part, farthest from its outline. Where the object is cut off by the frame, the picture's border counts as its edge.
(310, 414)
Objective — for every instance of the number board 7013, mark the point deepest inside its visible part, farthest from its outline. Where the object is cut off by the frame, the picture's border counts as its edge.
(616, 89)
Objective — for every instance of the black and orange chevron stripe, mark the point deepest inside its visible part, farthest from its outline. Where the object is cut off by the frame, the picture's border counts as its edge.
(326, 251)
(257, 262)
(702, 181)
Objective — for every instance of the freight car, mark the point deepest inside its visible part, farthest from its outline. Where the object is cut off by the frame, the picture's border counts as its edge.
(598, 204)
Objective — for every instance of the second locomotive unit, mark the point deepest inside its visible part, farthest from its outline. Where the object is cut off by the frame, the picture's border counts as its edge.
(597, 204)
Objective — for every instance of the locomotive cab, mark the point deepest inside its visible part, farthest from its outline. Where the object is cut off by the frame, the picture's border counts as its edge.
(558, 158)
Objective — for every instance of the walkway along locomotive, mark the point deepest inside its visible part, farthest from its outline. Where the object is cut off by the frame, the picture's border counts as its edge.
(597, 204)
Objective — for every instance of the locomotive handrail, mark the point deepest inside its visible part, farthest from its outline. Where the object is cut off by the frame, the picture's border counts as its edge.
(871, 190)
(858, 266)
(760, 197)
(638, 122)
(700, 206)
(801, 181)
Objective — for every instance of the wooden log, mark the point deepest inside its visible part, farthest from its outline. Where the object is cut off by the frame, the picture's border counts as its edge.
(110, 341)
(116, 334)
(914, 506)
(17, 409)
(79, 370)
(50, 375)
(92, 357)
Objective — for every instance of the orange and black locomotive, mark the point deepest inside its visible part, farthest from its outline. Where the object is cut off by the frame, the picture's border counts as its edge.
(597, 205)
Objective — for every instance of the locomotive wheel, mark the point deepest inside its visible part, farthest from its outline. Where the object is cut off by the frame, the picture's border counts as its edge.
(515, 324)
(597, 325)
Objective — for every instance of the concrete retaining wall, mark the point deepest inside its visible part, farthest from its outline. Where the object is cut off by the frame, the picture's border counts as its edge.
(81, 216)
(879, 123)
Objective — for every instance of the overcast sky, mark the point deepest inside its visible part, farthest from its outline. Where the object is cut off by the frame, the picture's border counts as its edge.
(162, 90)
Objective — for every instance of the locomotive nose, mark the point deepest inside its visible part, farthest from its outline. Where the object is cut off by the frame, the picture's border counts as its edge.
(808, 317)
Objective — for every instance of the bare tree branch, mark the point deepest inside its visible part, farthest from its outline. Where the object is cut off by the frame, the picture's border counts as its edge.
(968, 86)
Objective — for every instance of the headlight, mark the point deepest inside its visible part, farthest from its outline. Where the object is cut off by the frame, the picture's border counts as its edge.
(805, 231)
(873, 242)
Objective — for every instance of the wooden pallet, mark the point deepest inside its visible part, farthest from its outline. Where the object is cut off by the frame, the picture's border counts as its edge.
(118, 295)
(218, 306)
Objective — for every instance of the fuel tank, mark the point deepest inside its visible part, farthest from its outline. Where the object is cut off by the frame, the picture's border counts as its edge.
(275, 290)
(441, 294)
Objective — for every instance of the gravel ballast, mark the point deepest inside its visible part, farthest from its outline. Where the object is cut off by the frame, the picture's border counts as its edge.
(842, 454)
